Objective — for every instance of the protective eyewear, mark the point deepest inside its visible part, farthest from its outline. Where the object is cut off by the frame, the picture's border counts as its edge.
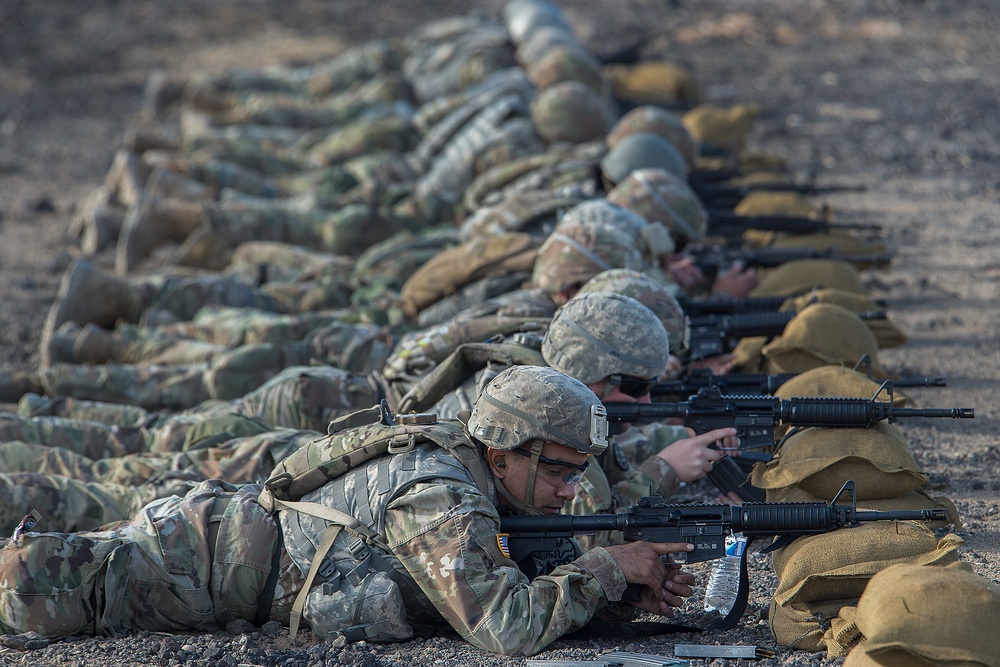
(568, 478)
(633, 386)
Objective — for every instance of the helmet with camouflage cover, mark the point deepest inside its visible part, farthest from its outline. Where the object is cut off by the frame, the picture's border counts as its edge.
(657, 296)
(566, 63)
(542, 40)
(570, 111)
(522, 17)
(600, 334)
(642, 150)
(652, 239)
(526, 403)
(659, 121)
(571, 256)
(660, 196)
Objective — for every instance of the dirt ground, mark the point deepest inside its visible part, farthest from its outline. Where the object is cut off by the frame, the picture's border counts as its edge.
(898, 95)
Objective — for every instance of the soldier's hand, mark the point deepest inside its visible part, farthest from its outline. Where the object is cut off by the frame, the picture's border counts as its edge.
(736, 281)
(692, 458)
(721, 364)
(665, 585)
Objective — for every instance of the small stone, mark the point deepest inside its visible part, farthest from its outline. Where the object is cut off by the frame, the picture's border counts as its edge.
(239, 626)
(26, 641)
(271, 629)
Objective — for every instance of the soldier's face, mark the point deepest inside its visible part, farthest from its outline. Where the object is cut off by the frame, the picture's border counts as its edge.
(552, 490)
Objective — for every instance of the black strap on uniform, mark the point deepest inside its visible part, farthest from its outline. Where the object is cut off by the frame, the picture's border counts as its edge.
(266, 598)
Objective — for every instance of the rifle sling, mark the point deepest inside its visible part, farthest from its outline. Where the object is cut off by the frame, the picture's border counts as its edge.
(635, 629)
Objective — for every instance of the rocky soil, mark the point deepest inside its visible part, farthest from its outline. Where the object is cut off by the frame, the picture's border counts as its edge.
(898, 95)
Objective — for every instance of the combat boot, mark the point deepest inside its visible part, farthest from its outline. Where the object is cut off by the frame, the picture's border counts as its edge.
(97, 222)
(89, 295)
(16, 385)
(94, 345)
(164, 183)
(152, 222)
(126, 179)
(204, 249)
(140, 140)
(59, 346)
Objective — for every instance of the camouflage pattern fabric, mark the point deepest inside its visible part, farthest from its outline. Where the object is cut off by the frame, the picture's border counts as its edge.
(86, 438)
(156, 572)
(476, 589)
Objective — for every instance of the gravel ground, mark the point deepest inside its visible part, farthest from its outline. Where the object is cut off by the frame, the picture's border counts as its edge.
(900, 96)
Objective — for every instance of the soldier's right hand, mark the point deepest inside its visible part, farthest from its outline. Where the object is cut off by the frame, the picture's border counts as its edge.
(641, 563)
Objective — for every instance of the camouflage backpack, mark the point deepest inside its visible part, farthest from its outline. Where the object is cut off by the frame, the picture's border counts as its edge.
(359, 594)
(458, 266)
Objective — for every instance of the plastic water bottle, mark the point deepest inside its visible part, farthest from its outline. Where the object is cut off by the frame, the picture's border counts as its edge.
(724, 581)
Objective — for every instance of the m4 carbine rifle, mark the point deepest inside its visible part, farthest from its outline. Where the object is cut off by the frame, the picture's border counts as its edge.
(711, 258)
(712, 335)
(703, 525)
(756, 384)
(732, 225)
(756, 417)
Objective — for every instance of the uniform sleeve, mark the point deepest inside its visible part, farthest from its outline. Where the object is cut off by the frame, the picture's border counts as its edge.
(445, 535)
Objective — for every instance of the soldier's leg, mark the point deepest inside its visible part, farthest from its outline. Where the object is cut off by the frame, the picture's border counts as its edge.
(149, 387)
(92, 439)
(110, 414)
(306, 397)
(65, 504)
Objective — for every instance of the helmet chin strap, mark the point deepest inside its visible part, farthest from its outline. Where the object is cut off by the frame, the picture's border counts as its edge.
(529, 487)
(524, 506)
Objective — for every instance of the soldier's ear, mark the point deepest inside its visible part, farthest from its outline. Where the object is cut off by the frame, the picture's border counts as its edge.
(497, 459)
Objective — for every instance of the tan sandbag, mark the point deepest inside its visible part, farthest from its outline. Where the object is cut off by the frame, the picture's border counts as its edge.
(834, 381)
(803, 625)
(798, 276)
(822, 334)
(886, 333)
(839, 564)
(653, 82)
(820, 460)
(763, 202)
(914, 615)
(460, 265)
(747, 354)
(920, 499)
(725, 128)
(843, 634)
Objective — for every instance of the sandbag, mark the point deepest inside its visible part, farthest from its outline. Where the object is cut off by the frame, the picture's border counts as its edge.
(820, 460)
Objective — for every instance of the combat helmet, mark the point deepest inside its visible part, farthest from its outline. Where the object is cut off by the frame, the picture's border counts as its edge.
(655, 295)
(573, 255)
(600, 334)
(534, 405)
(525, 403)
(659, 121)
(566, 63)
(652, 239)
(642, 150)
(570, 111)
(660, 196)
(524, 16)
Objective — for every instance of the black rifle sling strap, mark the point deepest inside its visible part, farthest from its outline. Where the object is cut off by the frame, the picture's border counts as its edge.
(635, 629)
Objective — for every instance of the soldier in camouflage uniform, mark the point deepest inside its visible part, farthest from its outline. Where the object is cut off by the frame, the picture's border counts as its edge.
(194, 563)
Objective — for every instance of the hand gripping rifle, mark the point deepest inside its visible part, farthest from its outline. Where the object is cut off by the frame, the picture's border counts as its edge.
(705, 526)
(712, 335)
(755, 419)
